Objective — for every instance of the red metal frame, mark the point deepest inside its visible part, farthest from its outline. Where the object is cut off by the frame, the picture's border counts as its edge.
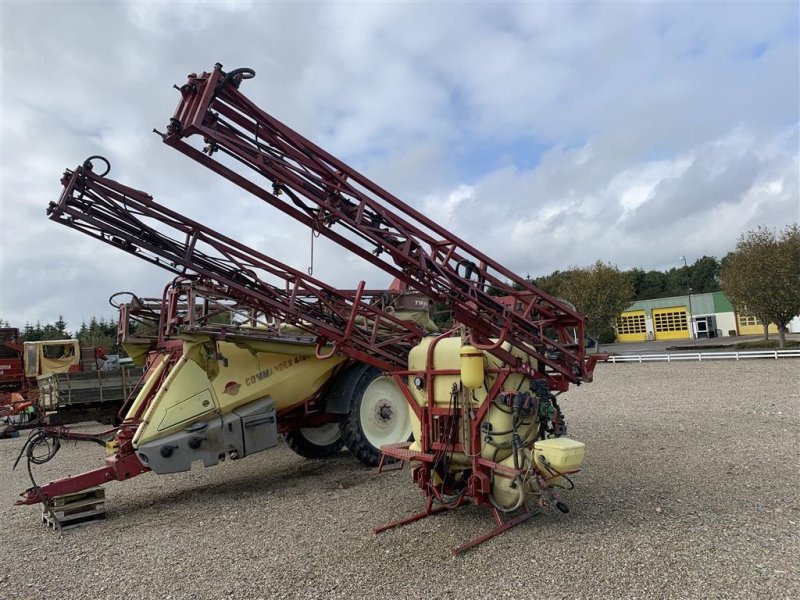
(479, 484)
(501, 525)
(327, 195)
(132, 221)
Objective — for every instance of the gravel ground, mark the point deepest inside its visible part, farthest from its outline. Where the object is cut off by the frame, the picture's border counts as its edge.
(690, 490)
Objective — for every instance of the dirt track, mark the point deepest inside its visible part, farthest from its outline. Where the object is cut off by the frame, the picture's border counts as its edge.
(690, 489)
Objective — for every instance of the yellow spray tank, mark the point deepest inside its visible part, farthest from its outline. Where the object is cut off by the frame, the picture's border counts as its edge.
(220, 399)
(468, 372)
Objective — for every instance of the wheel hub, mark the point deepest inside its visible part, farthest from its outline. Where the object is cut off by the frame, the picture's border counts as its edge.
(385, 411)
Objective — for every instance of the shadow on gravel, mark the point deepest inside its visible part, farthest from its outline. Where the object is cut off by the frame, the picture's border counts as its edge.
(335, 473)
(352, 480)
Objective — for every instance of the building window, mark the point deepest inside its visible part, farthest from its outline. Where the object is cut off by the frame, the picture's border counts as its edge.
(746, 321)
(631, 324)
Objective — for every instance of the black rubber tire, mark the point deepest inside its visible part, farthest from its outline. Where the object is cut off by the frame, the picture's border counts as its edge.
(350, 426)
(300, 444)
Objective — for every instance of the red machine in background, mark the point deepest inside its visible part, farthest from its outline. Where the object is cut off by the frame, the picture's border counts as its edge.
(12, 370)
(13, 383)
(21, 363)
(488, 426)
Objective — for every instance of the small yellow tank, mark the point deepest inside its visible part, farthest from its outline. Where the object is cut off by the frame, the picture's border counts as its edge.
(561, 454)
(471, 367)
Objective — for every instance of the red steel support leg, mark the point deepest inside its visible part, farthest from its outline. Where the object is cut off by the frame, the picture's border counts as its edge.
(429, 510)
(382, 464)
(502, 526)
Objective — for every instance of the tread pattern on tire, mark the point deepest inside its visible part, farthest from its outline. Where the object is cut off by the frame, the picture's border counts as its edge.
(298, 444)
(352, 433)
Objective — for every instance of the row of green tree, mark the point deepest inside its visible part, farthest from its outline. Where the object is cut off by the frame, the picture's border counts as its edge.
(97, 332)
(761, 277)
(701, 277)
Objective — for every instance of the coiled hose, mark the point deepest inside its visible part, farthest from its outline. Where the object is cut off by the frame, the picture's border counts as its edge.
(40, 439)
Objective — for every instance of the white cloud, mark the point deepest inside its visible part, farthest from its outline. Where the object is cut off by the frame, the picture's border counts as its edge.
(547, 135)
(442, 209)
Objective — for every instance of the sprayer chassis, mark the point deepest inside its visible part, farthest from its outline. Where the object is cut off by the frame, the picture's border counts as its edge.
(529, 338)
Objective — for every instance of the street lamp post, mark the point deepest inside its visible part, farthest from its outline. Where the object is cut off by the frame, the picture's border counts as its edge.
(689, 291)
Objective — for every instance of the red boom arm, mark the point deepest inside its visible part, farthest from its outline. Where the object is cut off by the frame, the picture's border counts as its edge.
(132, 221)
(327, 195)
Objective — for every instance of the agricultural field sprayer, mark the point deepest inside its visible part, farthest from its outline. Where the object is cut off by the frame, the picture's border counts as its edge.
(481, 396)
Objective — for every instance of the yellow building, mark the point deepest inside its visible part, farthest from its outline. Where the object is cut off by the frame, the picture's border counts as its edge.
(712, 315)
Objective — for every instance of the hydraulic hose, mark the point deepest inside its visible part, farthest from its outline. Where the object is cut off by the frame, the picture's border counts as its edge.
(40, 437)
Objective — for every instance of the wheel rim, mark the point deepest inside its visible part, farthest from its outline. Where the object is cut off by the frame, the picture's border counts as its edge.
(384, 413)
(323, 435)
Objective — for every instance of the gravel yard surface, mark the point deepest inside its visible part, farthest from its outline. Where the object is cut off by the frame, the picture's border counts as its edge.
(690, 489)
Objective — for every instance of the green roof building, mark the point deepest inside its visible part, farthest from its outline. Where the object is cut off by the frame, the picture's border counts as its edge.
(711, 315)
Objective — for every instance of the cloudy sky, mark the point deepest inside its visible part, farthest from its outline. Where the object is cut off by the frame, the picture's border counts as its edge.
(546, 134)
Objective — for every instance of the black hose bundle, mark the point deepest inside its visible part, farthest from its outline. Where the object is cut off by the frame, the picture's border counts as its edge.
(445, 461)
(46, 439)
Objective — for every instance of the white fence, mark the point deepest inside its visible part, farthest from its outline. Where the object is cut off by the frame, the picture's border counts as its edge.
(701, 356)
